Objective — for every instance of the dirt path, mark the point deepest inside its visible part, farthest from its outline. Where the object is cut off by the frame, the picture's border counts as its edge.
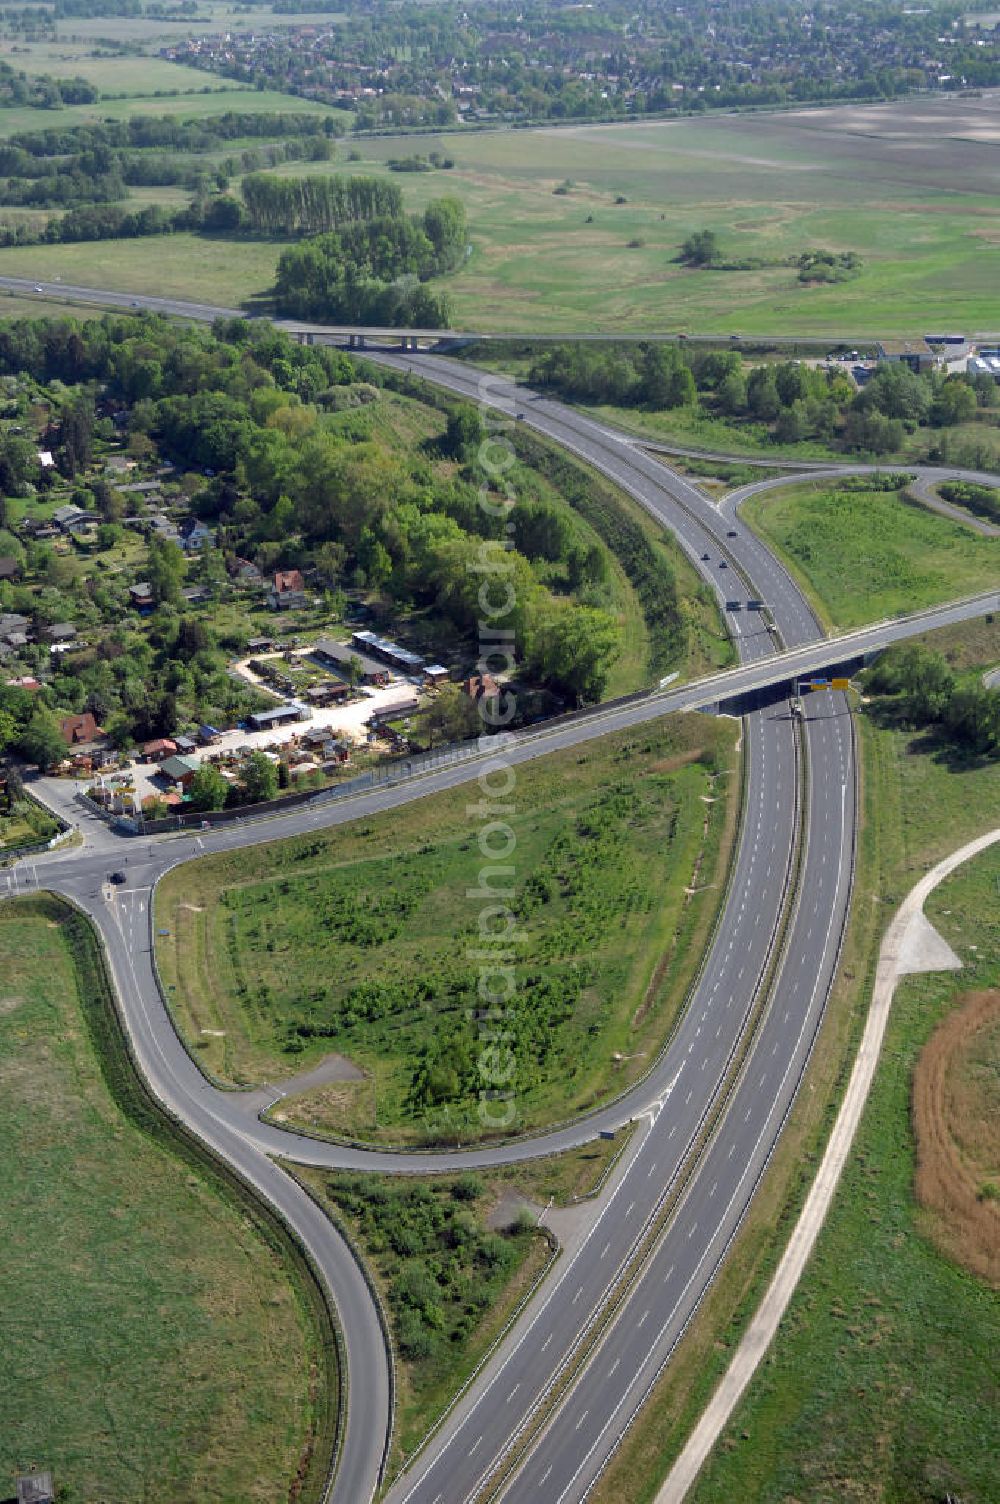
(904, 949)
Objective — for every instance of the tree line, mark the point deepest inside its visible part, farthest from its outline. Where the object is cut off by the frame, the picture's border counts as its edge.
(786, 401)
(374, 271)
(316, 205)
(929, 693)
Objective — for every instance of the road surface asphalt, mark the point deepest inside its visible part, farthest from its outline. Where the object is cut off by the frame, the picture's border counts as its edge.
(738, 1051)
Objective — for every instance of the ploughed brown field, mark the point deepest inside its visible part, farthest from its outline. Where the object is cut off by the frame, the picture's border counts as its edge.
(956, 1119)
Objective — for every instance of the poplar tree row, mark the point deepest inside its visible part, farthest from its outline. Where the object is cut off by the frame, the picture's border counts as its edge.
(316, 205)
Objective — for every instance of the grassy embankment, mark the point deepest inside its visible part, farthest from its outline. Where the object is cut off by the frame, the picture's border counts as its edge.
(864, 555)
(771, 186)
(924, 1348)
(355, 940)
(160, 1333)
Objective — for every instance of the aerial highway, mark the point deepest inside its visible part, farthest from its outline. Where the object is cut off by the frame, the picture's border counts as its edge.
(739, 1050)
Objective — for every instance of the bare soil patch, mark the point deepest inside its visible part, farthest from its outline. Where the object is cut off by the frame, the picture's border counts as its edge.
(956, 1119)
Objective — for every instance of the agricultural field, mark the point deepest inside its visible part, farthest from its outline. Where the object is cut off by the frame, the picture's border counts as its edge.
(140, 1300)
(834, 1412)
(210, 101)
(353, 941)
(863, 555)
(907, 186)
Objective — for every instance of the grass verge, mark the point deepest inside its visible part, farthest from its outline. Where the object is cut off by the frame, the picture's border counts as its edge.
(351, 940)
(146, 1294)
(917, 805)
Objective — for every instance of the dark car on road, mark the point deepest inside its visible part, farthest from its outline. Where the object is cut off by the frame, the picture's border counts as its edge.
(117, 878)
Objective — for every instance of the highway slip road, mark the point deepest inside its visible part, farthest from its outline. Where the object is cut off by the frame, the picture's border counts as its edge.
(738, 1051)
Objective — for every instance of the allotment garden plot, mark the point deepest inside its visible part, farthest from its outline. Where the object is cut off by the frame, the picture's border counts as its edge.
(362, 942)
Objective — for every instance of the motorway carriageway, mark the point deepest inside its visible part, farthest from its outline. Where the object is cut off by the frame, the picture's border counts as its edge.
(676, 1095)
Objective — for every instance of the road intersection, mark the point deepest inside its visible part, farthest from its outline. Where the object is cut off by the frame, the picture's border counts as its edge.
(712, 1105)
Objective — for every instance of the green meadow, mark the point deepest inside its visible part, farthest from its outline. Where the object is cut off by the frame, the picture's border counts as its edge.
(141, 1300)
(908, 186)
(359, 941)
(865, 555)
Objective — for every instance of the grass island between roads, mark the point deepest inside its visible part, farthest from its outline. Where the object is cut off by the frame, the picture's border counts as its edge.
(354, 940)
(881, 1382)
(863, 553)
(453, 1259)
(160, 1335)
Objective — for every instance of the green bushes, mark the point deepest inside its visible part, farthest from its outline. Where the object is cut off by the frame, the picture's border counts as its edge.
(928, 693)
(441, 1266)
(983, 500)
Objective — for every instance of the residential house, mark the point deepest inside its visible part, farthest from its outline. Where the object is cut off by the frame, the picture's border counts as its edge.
(194, 534)
(436, 673)
(80, 730)
(481, 687)
(208, 735)
(13, 621)
(45, 459)
(160, 526)
(59, 632)
(38, 527)
(185, 745)
(10, 569)
(244, 572)
(288, 591)
(70, 518)
(159, 748)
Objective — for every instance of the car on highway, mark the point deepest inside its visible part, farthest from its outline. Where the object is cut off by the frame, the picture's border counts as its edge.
(117, 878)
(732, 533)
(723, 564)
(39, 288)
(704, 557)
(734, 605)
